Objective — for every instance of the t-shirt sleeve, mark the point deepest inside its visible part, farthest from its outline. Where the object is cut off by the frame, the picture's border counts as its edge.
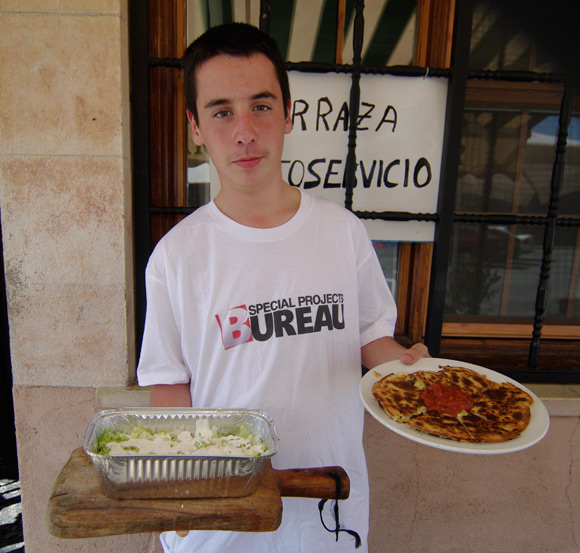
(377, 307)
(161, 360)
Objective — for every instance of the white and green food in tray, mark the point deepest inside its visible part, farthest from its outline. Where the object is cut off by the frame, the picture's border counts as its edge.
(204, 441)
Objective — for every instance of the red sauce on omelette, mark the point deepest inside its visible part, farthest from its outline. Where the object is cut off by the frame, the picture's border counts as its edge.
(448, 399)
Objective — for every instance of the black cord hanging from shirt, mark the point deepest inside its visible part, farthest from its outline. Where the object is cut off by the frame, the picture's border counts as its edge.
(337, 529)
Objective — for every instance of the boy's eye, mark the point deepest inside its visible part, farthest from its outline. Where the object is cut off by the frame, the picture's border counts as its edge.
(262, 108)
(222, 113)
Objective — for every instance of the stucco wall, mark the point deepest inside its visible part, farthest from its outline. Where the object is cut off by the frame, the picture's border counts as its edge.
(65, 185)
(423, 500)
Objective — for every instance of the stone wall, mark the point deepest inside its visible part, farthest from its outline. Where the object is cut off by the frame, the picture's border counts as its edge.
(65, 198)
(65, 191)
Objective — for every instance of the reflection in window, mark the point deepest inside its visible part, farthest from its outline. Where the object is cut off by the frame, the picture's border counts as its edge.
(498, 44)
(564, 291)
(570, 198)
(506, 162)
(488, 163)
(493, 271)
(506, 167)
(310, 30)
(387, 253)
(389, 33)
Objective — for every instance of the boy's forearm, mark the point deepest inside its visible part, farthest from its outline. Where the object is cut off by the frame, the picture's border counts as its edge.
(170, 395)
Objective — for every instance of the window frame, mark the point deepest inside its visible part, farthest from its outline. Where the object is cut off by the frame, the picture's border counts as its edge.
(503, 346)
(442, 46)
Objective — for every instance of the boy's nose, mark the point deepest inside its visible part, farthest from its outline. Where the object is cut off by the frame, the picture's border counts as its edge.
(245, 130)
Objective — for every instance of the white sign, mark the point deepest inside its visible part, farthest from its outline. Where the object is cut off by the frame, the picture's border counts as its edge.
(398, 148)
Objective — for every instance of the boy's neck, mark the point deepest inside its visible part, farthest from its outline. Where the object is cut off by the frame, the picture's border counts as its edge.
(269, 209)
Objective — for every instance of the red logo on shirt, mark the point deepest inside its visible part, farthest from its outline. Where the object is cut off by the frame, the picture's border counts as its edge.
(235, 327)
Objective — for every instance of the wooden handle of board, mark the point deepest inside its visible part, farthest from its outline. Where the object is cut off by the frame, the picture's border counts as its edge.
(78, 509)
(321, 483)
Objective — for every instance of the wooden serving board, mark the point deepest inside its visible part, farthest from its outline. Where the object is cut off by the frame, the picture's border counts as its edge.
(78, 509)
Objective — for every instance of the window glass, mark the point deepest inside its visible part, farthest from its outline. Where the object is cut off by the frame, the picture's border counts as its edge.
(488, 163)
(506, 167)
(198, 189)
(387, 253)
(538, 164)
(564, 282)
(389, 33)
(507, 159)
(306, 30)
(570, 198)
(499, 44)
(493, 271)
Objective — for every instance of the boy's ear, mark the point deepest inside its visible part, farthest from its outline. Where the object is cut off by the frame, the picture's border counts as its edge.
(195, 133)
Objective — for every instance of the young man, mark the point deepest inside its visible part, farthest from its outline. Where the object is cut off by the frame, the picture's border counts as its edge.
(267, 297)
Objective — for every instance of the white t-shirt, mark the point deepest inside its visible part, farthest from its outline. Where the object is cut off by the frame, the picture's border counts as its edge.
(273, 319)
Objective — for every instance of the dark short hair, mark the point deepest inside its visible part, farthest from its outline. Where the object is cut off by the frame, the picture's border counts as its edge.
(232, 39)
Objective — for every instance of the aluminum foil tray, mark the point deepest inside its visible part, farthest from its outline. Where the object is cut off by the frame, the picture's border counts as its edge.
(179, 476)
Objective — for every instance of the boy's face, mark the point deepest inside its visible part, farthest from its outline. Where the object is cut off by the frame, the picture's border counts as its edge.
(241, 119)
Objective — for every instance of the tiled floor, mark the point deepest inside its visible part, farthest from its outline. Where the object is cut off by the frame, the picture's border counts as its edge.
(11, 540)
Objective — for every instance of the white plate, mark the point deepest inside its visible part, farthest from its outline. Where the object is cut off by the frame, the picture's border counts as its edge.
(536, 430)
